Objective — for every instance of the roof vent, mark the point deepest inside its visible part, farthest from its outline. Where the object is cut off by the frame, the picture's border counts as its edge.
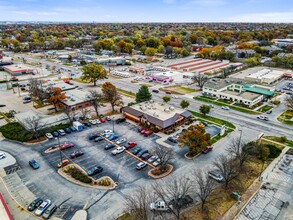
(172, 108)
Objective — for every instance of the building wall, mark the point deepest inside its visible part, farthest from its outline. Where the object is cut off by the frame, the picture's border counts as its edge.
(79, 106)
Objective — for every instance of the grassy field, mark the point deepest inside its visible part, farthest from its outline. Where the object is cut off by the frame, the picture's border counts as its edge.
(265, 108)
(126, 93)
(116, 77)
(212, 101)
(281, 140)
(146, 84)
(286, 117)
(178, 90)
(81, 81)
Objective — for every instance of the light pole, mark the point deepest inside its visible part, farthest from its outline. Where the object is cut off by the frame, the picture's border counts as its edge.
(113, 124)
(59, 149)
(239, 143)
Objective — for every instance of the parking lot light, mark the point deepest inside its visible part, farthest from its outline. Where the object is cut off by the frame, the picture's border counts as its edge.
(58, 139)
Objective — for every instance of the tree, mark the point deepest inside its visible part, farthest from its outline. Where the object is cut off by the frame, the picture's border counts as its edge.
(56, 96)
(69, 58)
(150, 51)
(165, 155)
(227, 167)
(184, 104)
(195, 138)
(172, 192)
(143, 94)
(82, 62)
(289, 101)
(200, 79)
(34, 126)
(93, 72)
(37, 90)
(96, 99)
(111, 94)
(205, 109)
(70, 114)
(166, 99)
(204, 186)
(236, 150)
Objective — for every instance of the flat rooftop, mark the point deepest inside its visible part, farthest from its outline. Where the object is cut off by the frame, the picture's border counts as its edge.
(161, 111)
(246, 95)
(60, 84)
(75, 97)
(266, 74)
(17, 67)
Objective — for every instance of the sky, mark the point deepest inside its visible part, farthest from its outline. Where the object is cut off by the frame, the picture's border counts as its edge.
(147, 10)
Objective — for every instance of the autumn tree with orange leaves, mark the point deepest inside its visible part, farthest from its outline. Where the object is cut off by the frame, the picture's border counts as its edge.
(56, 97)
(195, 138)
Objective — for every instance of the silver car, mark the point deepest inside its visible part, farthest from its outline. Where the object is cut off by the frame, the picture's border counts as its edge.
(121, 141)
(50, 210)
(42, 208)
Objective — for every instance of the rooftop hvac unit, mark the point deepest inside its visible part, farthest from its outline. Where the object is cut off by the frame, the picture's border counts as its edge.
(72, 99)
(172, 108)
(166, 110)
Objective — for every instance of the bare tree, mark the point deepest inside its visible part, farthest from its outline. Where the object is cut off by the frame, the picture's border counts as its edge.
(36, 89)
(137, 204)
(289, 101)
(70, 114)
(96, 99)
(236, 151)
(84, 112)
(34, 126)
(227, 167)
(165, 155)
(174, 193)
(204, 186)
(200, 79)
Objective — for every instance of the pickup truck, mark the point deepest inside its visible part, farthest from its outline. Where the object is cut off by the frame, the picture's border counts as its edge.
(160, 205)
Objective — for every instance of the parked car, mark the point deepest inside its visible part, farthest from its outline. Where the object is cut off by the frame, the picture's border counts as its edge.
(42, 208)
(147, 133)
(269, 112)
(120, 120)
(102, 120)
(207, 149)
(63, 164)
(99, 138)
(261, 117)
(87, 124)
(152, 159)
(94, 170)
(118, 150)
(173, 139)
(55, 134)
(50, 210)
(26, 101)
(121, 141)
(143, 131)
(136, 150)
(61, 132)
(212, 106)
(93, 122)
(49, 135)
(216, 176)
(155, 91)
(113, 137)
(141, 165)
(107, 132)
(34, 164)
(72, 128)
(130, 145)
(140, 129)
(108, 118)
(93, 136)
(146, 156)
(109, 146)
(67, 130)
(2, 155)
(159, 206)
(157, 162)
(174, 96)
(34, 204)
(225, 108)
(168, 92)
(143, 151)
(76, 154)
(66, 146)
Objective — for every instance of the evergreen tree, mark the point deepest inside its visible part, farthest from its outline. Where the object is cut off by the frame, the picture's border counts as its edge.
(143, 94)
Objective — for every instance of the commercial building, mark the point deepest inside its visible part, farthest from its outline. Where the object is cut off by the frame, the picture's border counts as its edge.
(76, 100)
(283, 42)
(18, 69)
(237, 91)
(157, 116)
(266, 76)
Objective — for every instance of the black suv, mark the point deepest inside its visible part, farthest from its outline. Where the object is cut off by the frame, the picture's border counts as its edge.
(155, 91)
(34, 204)
(94, 170)
(120, 120)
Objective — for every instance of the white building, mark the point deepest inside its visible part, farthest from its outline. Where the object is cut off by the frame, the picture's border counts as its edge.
(266, 76)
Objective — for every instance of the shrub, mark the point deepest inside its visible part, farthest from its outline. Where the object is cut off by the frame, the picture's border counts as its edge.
(15, 131)
(274, 151)
(77, 174)
(276, 102)
(105, 182)
(60, 126)
(156, 172)
(283, 139)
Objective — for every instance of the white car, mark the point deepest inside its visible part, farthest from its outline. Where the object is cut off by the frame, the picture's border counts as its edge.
(225, 108)
(42, 208)
(261, 117)
(49, 135)
(98, 121)
(118, 150)
(121, 141)
(174, 96)
(105, 132)
(88, 116)
(93, 122)
(216, 176)
(2, 155)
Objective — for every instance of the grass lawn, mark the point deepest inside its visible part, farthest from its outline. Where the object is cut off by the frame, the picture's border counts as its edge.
(280, 140)
(178, 90)
(212, 119)
(212, 101)
(146, 84)
(286, 117)
(126, 93)
(81, 81)
(116, 77)
(265, 108)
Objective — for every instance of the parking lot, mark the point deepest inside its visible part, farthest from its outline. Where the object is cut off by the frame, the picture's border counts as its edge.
(95, 155)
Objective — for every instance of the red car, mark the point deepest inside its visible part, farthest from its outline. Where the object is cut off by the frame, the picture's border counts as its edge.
(143, 131)
(139, 129)
(207, 149)
(130, 145)
(102, 120)
(66, 146)
(147, 133)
